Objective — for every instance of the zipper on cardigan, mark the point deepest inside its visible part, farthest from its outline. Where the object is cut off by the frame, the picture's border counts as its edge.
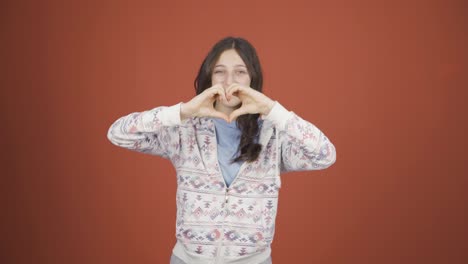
(226, 193)
(226, 197)
(220, 244)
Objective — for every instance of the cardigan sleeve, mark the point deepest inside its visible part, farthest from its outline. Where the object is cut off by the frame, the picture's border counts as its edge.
(303, 146)
(154, 132)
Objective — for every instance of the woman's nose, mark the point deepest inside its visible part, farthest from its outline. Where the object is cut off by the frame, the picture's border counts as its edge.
(229, 79)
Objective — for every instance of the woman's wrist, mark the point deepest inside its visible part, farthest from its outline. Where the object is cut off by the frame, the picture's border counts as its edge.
(184, 111)
(268, 106)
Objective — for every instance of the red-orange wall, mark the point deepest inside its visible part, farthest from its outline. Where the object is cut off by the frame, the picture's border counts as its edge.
(385, 80)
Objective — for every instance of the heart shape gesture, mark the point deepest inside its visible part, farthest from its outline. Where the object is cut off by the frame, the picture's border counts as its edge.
(202, 105)
(252, 101)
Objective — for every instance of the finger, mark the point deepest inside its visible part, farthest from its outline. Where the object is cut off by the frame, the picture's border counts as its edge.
(221, 92)
(236, 113)
(208, 93)
(231, 85)
(233, 88)
(214, 91)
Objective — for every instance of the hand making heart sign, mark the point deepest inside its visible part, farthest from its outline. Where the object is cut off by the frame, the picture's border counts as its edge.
(228, 103)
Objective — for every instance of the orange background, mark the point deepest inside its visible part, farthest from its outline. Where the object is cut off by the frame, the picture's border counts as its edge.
(386, 81)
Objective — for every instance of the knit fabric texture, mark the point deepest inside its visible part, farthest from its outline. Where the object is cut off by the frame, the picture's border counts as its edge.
(216, 223)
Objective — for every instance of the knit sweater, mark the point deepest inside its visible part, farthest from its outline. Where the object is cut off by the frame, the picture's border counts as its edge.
(215, 223)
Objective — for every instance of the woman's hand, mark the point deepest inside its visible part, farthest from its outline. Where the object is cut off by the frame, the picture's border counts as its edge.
(202, 104)
(253, 101)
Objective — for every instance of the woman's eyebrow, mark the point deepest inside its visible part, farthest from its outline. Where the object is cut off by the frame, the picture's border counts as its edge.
(237, 65)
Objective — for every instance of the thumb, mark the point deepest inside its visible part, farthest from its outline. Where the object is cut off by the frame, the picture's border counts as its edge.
(236, 113)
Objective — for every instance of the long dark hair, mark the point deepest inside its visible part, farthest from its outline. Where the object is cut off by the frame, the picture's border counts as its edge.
(249, 150)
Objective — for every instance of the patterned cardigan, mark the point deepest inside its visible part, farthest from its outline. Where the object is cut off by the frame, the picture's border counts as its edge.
(216, 224)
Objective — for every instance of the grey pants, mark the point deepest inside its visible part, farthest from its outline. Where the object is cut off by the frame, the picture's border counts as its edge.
(176, 260)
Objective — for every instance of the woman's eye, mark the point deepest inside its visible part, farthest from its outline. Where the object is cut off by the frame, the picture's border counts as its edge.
(241, 72)
(217, 72)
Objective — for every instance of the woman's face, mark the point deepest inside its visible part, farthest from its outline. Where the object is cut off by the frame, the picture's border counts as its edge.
(229, 69)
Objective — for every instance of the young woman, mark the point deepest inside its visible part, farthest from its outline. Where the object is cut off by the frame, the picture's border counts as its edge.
(228, 145)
